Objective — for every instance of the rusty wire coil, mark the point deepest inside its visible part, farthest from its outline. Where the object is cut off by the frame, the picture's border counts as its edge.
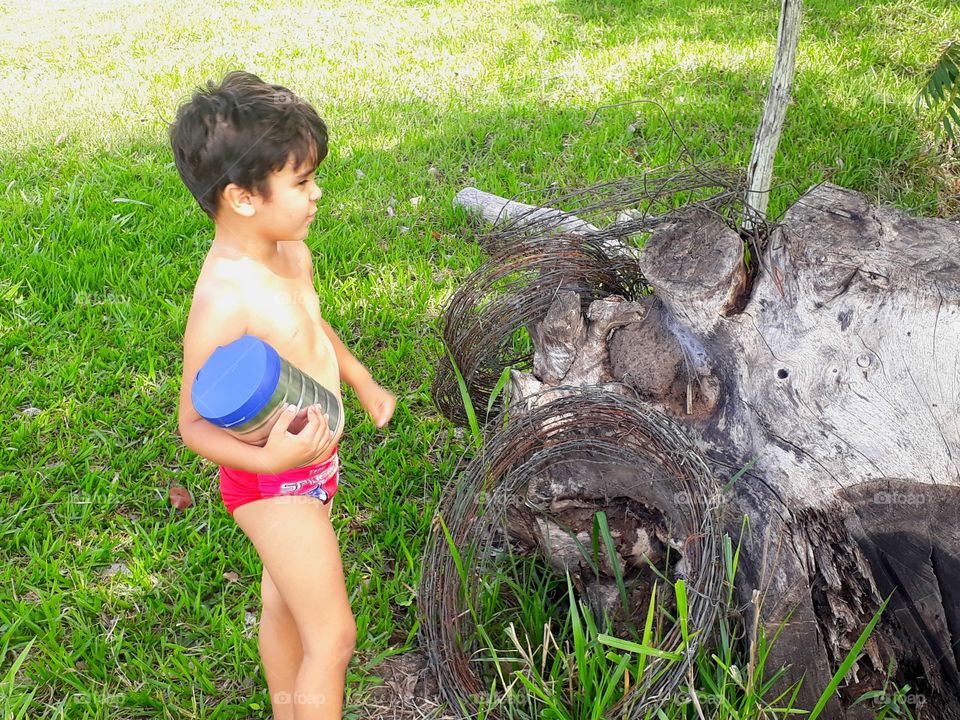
(534, 254)
(611, 212)
(590, 424)
(511, 289)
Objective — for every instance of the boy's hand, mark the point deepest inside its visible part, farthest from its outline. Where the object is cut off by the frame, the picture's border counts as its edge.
(284, 450)
(377, 401)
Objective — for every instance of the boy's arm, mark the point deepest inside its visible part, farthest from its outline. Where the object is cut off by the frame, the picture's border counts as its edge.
(216, 319)
(352, 371)
(378, 402)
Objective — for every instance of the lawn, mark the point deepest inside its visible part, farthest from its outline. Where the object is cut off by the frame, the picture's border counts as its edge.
(121, 606)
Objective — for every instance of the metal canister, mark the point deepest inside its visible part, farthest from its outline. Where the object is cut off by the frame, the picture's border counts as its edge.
(245, 385)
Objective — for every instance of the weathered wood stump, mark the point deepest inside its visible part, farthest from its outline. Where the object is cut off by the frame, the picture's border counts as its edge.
(833, 378)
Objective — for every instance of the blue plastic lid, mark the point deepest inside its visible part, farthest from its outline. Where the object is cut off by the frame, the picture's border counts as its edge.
(236, 381)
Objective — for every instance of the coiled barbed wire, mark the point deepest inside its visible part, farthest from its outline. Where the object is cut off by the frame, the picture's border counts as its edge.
(611, 212)
(562, 244)
(511, 289)
(609, 429)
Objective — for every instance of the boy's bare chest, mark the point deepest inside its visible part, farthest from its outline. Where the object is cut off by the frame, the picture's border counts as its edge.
(286, 313)
(286, 306)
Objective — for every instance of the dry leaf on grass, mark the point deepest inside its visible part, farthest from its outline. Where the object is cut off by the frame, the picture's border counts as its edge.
(180, 497)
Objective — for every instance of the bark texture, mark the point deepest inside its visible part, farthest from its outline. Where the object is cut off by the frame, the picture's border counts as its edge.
(834, 380)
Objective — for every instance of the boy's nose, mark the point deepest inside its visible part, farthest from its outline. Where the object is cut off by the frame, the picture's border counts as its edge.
(317, 193)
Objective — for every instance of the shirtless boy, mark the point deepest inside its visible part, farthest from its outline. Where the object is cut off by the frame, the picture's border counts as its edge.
(247, 151)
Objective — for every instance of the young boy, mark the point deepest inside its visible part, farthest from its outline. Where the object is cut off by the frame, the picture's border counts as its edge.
(247, 151)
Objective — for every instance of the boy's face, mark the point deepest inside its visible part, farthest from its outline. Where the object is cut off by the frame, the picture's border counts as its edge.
(288, 210)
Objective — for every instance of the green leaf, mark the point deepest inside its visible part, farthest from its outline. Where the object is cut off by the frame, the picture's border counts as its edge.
(534, 688)
(458, 562)
(602, 528)
(498, 388)
(637, 648)
(579, 637)
(647, 631)
(943, 88)
(613, 684)
(467, 402)
(588, 557)
(9, 684)
(680, 590)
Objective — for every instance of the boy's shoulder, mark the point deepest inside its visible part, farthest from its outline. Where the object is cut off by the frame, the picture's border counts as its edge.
(222, 274)
(299, 250)
(224, 282)
(219, 273)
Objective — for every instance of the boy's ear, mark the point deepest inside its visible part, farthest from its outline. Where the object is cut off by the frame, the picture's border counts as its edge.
(239, 200)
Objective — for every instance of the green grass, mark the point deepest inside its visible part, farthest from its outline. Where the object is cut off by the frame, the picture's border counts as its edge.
(549, 658)
(101, 244)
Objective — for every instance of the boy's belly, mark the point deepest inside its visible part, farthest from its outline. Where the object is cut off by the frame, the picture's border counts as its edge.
(312, 353)
(320, 363)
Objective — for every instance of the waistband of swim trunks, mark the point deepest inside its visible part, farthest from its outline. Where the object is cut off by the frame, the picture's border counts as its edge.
(298, 473)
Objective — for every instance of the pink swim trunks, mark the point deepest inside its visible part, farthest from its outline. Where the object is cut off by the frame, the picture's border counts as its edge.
(239, 487)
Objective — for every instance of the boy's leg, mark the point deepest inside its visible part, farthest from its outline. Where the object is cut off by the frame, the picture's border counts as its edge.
(298, 547)
(280, 648)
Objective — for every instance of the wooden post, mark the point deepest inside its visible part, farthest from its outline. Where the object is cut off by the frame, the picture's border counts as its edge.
(760, 170)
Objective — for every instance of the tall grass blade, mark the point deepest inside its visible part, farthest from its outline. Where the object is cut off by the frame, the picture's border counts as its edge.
(602, 528)
(647, 631)
(497, 389)
(8, 686)
(680, 590)
(475, 432)
(637, 648)
(847, 663)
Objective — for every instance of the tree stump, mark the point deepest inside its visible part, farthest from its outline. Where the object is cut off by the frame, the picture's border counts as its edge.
(832, 377)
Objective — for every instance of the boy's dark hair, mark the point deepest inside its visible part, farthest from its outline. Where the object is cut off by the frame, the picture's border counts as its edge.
(239, 132)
